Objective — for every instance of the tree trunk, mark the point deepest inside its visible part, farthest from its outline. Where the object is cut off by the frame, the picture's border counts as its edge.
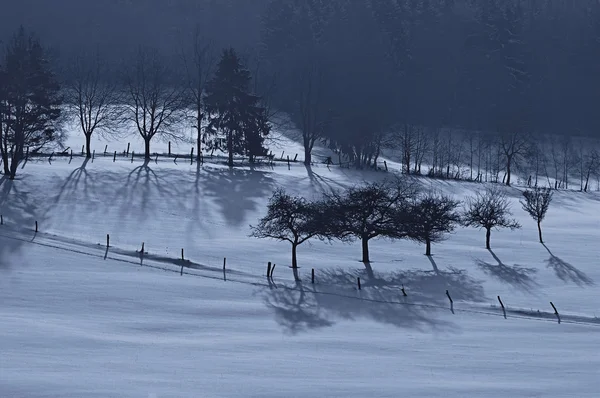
(199, 118)
(307, 153)
(14, 164)
(5, 162)
(230, 148)
(508, 165)
(488, 234)
(539, 224)
(88, 146)
(199, 145)
(365, 250)
(147, 148)
(294, 256)
(428, 247)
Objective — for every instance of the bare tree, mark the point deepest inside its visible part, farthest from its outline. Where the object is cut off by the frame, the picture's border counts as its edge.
(155, 100)
(408, 145)
(199, 69)
(536, 203)
(421, 149)
(291, 219)
(432, 217)
(93, 97)
(489, 210)
(311, 105)
(591, 166)
(513, 146)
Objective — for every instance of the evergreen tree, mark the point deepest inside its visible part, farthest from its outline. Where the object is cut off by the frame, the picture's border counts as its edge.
(30, 101)
(237, 121)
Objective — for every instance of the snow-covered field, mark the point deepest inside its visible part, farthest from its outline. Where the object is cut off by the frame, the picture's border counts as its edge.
(77, 320)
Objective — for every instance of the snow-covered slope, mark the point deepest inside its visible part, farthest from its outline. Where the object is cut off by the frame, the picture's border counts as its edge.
(79, 320)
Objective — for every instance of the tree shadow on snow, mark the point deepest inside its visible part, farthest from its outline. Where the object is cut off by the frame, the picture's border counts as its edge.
(71, 185)
(335, 296)
(515, 275)
(149, 192)
(19, 213)
(236, 192)
(321, 183)
(567, 272)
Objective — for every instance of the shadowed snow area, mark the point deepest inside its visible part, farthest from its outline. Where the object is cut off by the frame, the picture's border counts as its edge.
(78, 319)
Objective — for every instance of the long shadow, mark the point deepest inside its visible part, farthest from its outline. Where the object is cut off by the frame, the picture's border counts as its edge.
(567, 272)
(137, 190)
(323, 184)
(236, 192)
(433, 264)
(515, 275)
(18, 212)
(71, 184)
(335, 297)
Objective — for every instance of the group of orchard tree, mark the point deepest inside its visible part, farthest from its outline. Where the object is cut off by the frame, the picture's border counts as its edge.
(392, 210)
(150, 94)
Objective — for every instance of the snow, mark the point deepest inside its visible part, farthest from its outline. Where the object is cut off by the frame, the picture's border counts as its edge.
(77, 320)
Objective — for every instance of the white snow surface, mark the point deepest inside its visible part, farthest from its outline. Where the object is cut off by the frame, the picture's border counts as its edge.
(78, 320)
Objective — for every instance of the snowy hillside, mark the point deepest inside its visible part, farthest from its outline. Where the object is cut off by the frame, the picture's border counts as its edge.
(78, 319)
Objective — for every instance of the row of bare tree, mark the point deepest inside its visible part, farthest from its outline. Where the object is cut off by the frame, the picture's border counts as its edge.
(152, 94)
(392, 210)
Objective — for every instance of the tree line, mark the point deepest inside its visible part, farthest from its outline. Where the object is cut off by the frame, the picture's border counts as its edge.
(464, 89)
(391, 209)
(151, 94)
(475, 89)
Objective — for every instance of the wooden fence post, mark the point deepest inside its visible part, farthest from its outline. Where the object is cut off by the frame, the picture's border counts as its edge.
(312, 276)
(269, 269)
(71, 156)
(192, 156)
(451, 301)
(182, 258)
(404, 291)
(142, 248)
(555, 312)
(36, 226)
(358, 281)
(169, 148)
(93, 155)
(385, 164)
(105, 149)
(132, 155)
(295, 157)
(1, 220)
(82, 149)
(115, 157)
(224, 262)
(127, 152)
(502, 305)
(107, 241)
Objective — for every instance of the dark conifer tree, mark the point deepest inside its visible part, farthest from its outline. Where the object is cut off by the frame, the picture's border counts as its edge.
(237, 121)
